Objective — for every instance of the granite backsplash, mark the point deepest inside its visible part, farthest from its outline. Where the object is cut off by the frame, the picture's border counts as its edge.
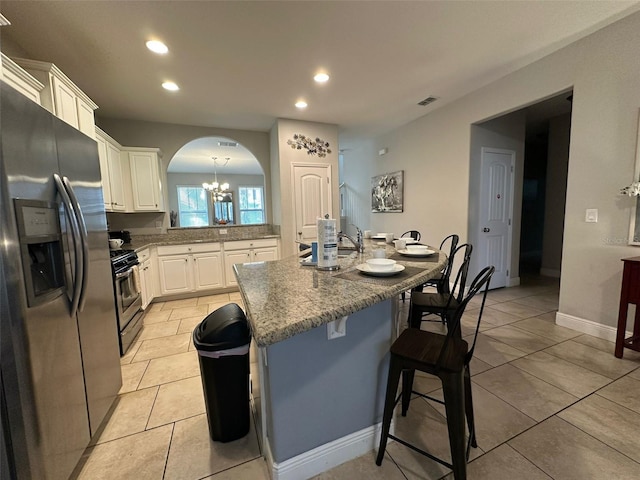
(213, 234)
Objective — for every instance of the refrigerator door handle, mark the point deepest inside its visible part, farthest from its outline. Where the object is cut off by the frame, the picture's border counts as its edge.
(75, 234)
(84, 241)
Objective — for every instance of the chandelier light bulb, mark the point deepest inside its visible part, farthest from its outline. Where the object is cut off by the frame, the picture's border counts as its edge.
(215, 188)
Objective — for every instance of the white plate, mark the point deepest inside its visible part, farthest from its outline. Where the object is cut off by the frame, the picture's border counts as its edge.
(379, 236)
(408, 240)
(415, 254)
(366, 269)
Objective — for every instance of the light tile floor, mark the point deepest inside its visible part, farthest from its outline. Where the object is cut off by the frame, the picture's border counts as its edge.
(549, 402)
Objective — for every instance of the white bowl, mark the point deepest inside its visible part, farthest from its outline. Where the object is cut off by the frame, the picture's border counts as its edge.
(417, 248)
(381, 264)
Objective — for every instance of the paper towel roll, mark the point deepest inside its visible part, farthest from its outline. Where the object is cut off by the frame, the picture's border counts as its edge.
(327, 244)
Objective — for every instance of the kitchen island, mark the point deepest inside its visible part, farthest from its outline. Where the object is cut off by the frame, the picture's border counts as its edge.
(323, 339)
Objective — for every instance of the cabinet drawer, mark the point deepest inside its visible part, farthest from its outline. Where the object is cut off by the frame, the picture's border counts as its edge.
(143, 255)
(249, 244)
(188, 248)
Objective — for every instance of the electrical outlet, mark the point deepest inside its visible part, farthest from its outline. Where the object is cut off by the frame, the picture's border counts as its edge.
(591, 216)
(222, 231)
(337, 328)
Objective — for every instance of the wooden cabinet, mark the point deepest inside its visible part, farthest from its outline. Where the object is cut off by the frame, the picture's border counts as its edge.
(629, 294)
(147, 276)
(111, 171)
(61, 96)
(247, 251)
(146, 183)
(190, 268)
(14, 75)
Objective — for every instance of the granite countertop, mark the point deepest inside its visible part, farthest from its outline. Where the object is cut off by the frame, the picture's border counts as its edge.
(146, 243)
(284, 298)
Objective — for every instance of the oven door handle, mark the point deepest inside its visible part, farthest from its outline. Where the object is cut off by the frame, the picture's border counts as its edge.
(126, 274)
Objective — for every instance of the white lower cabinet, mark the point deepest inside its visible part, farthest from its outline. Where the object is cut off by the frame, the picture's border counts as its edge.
(190, 268)
(147, 275)
(247, 251)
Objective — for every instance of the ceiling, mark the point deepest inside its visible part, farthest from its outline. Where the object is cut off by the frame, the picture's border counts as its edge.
(241, 65)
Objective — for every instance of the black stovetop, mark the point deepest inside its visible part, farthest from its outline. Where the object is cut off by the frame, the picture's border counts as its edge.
(123, 259)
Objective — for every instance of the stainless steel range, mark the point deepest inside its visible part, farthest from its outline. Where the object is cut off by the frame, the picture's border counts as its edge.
(128, 298)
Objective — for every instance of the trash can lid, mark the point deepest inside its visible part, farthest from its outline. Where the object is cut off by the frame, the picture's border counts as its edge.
(222, 329)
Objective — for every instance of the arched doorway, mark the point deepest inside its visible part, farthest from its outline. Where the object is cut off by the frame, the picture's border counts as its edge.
(209, 161)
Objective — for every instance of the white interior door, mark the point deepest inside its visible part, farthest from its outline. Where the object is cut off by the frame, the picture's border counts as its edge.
(496, 196)
(312, 198)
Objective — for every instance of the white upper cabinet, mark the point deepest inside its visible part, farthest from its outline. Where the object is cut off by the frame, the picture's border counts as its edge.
(61, 96)
(14, 75)
(111, 171)
(146, 182)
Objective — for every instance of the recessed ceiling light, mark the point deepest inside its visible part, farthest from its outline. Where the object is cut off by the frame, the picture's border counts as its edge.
(321, 77)
(157, 46)
(301, 104)
(170, 86)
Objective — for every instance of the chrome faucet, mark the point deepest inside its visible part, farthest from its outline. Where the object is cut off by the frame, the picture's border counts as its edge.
(358, 243)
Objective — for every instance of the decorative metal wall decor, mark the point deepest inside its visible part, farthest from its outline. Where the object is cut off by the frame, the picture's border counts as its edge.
(313, 147)
(386, 192)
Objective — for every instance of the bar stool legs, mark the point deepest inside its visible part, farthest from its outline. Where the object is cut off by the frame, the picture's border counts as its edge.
(453, 385)
(389, 405)
(468, 406)
(453, 388)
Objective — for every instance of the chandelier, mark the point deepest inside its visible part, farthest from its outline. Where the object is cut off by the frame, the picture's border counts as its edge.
(217, 190)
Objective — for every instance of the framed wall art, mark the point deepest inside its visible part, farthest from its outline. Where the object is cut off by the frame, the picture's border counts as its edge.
(386, 192)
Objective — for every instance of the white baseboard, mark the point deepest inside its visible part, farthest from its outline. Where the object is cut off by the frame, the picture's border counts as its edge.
(325, 457)
(550, 272)
(513, 282)
(587, 326)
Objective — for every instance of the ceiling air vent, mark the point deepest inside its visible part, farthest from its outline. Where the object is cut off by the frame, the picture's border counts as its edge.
(427, 101)
(227, 144)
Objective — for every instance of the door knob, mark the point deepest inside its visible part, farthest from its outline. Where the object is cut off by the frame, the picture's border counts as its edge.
(485, 229)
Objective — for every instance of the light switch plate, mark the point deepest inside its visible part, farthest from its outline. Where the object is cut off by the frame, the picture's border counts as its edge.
(591, 216)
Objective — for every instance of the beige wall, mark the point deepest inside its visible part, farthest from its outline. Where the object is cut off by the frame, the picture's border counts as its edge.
(283, 203)
(434, 151)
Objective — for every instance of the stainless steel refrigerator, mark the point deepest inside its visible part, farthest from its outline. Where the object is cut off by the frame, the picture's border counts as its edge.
(60, 360)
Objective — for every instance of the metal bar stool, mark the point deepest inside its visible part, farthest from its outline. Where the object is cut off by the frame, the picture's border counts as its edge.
(447, 357)
(442, 304)
(442, 282)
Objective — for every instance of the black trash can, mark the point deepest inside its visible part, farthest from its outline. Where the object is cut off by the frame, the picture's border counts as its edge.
(222, 340)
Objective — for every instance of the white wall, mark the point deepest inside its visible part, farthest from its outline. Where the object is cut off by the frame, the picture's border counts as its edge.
(357, 170)
(286, 156)
(434, 151)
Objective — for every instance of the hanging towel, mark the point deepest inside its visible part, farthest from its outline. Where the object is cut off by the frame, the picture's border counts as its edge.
(136, 278)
